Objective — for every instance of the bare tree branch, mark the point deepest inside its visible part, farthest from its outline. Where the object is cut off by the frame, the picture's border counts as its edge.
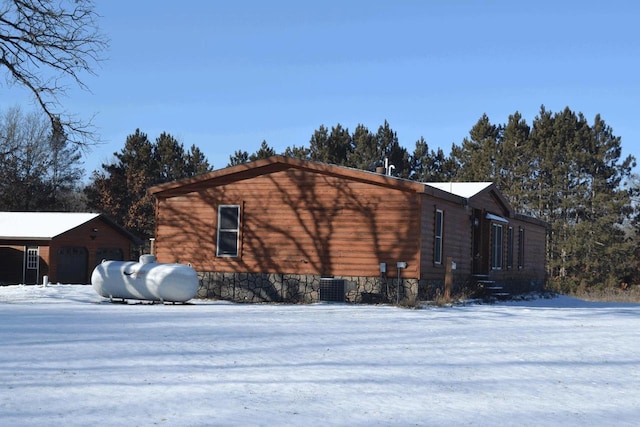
(45, 42)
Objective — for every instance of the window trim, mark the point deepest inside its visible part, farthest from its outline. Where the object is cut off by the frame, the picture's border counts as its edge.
(220, 230)
(33, 258)
(438, 238)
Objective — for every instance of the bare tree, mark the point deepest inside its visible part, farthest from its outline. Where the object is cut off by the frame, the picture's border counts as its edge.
(43, 43)
(39, 169)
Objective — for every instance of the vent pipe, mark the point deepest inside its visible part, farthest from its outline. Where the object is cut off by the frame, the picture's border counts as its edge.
(387, 167)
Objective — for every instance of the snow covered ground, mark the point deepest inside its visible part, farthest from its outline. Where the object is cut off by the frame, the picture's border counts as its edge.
(68, 357)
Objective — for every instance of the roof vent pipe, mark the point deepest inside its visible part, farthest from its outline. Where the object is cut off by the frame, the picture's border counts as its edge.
(387, 167)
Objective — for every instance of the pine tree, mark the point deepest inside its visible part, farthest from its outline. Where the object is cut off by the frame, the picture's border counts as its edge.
(476, 156)
(549, 187)
(365, 154)
(603, 206)
(120, 189)
(428, 165)
(238, 158)
(420, 162)
(444, 168)
(569, 174)
(124, 184)
(170, 157)
(319, 149)
(264, 152)
(330, 147)
(515, 160)
(579, 187)
(389, 147)
(196, 162)
(301, 153)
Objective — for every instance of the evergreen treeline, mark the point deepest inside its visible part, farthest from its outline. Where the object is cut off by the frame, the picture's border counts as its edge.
(569, 173)
(120, 189)
(561, 169)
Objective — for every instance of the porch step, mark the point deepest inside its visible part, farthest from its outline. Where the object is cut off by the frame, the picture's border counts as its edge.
(487, 289)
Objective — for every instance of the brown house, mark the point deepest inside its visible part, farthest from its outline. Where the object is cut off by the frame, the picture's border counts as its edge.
(282, 229)
(64, 246)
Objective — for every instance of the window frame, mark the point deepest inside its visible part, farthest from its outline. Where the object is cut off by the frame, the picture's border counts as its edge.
(221, 231)
(438, 236)
(33, 258)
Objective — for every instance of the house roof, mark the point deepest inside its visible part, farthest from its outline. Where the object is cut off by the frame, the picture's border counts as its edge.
(280, 163)
(458, 192)
(462, 189)
(47, 225)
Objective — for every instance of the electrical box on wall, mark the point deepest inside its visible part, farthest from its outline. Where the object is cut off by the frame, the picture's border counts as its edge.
(383, 267)
(401, 264)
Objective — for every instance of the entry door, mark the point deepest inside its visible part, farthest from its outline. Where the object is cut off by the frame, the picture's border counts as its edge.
(480, 243)
(31, 265)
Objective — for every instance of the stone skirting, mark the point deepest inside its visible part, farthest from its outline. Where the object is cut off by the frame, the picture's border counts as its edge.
(305, 289)
(294, 288)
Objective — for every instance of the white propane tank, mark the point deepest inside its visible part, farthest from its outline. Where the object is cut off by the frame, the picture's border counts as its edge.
(145, 280)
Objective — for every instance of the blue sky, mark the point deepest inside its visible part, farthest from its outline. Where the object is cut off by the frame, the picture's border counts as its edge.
(225, 75)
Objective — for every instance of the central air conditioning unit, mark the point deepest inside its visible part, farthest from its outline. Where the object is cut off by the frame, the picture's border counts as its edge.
(332, 290)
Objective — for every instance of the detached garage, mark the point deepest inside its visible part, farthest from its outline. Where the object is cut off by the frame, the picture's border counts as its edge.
(65, 246)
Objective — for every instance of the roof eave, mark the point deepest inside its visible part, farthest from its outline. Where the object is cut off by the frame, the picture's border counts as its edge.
(27, 238)
(441, 194)
(279, 163)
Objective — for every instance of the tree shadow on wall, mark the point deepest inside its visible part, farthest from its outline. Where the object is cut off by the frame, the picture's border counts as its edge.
(295, 221)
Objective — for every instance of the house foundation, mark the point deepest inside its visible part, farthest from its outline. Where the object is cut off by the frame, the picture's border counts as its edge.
(306, 289)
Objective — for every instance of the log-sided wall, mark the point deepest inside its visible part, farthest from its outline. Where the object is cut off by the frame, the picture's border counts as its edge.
(302, 221)
(456, 238)
(298, 222)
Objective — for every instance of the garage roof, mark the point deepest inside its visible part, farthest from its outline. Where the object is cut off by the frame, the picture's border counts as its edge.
(40, 225)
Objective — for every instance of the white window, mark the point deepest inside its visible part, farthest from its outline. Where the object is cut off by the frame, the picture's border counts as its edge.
(437, 250)
(32, 258)
(228, 230)
(496, 246)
